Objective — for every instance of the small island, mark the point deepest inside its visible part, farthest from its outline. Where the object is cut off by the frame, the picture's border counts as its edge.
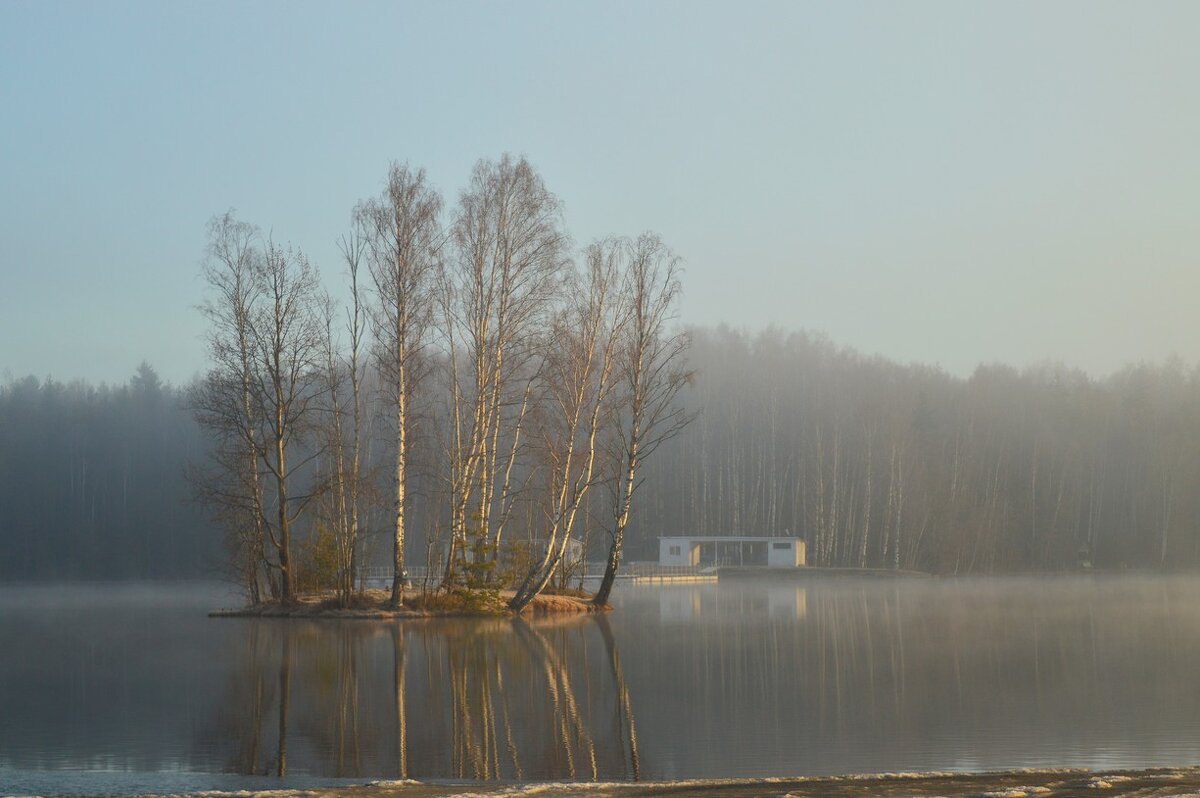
(376, 605)
(484, 392)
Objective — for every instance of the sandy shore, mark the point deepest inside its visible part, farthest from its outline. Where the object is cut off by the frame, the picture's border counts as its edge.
(1010, 784)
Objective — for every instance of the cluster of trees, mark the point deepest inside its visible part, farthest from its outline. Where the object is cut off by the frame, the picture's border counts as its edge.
(92, 482)
(886, 465)
(505, 378)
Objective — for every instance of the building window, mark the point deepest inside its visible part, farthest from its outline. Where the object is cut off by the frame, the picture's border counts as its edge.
(779, 546)
(674, 551)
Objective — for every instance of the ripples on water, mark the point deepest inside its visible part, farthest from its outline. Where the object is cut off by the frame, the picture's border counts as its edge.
(774, 678)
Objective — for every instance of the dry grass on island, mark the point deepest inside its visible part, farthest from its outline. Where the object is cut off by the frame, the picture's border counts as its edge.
(460, 603)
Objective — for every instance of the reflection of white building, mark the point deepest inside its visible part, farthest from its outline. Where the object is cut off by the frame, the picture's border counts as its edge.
(765, 552)
(678, 603)
(781, 601)
(787, 602)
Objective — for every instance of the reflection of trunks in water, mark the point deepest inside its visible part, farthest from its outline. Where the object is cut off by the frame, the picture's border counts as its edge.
(873, 675)
(470, 699)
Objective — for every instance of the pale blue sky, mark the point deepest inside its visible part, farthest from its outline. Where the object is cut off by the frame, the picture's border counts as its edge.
(943, 182)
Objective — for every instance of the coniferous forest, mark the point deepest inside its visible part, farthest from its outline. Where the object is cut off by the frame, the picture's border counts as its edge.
(93, 482)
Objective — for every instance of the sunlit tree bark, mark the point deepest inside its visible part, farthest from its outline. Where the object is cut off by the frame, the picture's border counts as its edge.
(651, 370)
(404, 238)
(509, 252)
(578, 375)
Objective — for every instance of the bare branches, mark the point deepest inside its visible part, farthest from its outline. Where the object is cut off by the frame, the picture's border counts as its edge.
(259, 397)
(653, 372)
(508, 253)
(403, 236)
(551, 374)
(578, 381)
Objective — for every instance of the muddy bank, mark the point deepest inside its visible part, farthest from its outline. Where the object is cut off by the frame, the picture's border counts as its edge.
(373, 606)
(1012, 784)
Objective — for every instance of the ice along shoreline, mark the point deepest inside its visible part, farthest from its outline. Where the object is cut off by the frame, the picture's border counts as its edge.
(1048, 783)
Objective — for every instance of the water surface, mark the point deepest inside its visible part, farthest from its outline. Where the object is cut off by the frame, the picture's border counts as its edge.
(132, 688)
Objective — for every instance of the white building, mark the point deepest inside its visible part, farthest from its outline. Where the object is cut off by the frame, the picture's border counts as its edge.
(765, 552)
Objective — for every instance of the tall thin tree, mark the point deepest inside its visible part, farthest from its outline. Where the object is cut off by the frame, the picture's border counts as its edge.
(402, 228)
(287, 339)
(224, 400)
(652, 371)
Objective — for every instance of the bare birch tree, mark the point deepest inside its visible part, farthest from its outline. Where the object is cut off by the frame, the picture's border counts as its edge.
(223, 400)
(496, 292)
(402, 228)
(347, 418)
(652, 371)
(580, 358)
(286, 340)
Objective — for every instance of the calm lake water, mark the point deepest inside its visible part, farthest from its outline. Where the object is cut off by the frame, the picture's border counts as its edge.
(132, 688)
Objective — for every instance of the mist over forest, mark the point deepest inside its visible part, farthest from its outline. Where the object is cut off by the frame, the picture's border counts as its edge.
(93, 482)
(874, 462)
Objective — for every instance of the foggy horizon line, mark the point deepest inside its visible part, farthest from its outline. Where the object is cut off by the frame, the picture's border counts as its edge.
(752, 335)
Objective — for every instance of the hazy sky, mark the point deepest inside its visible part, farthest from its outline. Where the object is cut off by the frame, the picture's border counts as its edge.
(943, 182)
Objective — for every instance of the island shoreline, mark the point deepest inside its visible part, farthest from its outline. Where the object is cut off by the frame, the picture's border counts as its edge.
(373, 605)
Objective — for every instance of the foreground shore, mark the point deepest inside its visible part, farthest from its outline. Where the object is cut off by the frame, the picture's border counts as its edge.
(1154, 783)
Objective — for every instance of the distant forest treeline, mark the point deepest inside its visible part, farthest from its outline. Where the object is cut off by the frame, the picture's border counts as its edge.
(92, 482)
(875, 463)
(881, 464)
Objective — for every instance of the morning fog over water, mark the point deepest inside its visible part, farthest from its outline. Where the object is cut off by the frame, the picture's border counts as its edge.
(136, 686)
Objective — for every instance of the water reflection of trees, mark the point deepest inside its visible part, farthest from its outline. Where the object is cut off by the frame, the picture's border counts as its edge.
(834, 676)
(495, 699)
